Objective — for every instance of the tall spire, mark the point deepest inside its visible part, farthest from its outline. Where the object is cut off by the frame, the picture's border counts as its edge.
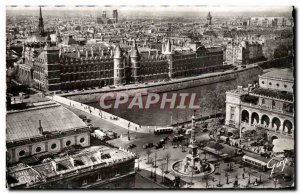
(41, 23)
(41, 12)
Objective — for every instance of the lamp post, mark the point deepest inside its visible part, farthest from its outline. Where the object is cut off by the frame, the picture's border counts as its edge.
(128, 135)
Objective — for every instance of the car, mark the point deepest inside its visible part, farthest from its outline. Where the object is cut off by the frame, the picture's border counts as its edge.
(148, 145)
(239, 152)
(236, 68)
(130, 146)
(166, 139)
(83, 117)
(88, 120)
(157, 146)
(254, 144)
(89, 125)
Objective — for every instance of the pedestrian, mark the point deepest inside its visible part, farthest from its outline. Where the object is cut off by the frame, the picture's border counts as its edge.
(243, 175)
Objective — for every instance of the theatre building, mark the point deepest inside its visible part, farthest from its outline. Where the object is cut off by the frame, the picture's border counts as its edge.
(268, 104)
(48, 146)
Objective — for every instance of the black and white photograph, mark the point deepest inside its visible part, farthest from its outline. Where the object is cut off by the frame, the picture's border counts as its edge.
(140, 97)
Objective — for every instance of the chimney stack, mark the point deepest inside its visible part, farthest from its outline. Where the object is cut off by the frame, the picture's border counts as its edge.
(41, 130)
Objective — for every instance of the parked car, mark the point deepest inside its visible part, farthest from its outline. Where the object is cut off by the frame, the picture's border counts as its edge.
(130, 146)
(239, 152)
(83, 117)
(148, 145)
(159, 145)
(166, 139)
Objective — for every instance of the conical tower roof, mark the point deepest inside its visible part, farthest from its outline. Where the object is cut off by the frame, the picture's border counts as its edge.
(168, 48)
(118, 52)
(134, 51)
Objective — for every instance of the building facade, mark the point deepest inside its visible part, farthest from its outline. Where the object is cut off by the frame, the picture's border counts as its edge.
(269, 105)
(48, 147)
(244, 52)
(53, 68)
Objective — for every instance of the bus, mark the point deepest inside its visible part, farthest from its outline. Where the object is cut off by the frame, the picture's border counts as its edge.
(255, 161)
(163, 130)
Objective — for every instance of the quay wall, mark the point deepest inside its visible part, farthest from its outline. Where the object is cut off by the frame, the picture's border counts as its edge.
(242, 76)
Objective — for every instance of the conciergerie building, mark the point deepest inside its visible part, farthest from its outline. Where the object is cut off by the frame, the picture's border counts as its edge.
(51, 64)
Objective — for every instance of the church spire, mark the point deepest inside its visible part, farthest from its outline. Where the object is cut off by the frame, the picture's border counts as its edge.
(41, 23)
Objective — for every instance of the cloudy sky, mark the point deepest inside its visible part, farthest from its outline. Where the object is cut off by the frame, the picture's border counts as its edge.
(156, 10)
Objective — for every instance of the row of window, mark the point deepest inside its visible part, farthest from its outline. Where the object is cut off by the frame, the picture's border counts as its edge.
(53, 147)
(270, 83)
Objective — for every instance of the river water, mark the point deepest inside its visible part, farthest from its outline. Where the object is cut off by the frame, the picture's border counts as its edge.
(205, 98)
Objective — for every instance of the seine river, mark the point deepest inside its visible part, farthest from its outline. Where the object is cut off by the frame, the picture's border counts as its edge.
(161, 117)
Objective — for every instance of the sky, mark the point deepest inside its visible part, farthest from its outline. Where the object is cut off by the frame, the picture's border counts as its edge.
(155, 10)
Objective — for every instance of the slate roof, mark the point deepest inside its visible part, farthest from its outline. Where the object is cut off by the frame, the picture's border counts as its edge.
(24, 124)
(284, 74)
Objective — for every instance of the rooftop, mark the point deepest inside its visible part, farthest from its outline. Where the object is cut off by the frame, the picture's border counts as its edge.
(24, 124)
(96, 156)
(274, 93)
(284, 74)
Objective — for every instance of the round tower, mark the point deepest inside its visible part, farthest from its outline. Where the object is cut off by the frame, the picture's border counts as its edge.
(135, 63)
(118, 66)
(170, 55)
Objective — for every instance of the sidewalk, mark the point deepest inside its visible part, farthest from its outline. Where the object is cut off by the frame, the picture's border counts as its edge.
(103, 115)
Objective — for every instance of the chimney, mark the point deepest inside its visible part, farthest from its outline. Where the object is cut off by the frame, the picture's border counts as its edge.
(92, 52)
(41, 130)
(54, 165)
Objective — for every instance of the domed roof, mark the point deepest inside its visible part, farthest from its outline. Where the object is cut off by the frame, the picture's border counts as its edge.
(285, 74)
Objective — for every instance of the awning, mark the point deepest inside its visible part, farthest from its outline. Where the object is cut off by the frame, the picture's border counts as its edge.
(283, 144)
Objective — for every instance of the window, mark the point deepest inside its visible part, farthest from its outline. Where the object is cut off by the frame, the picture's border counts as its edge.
(22, 153)
(84, 182)
(68, 143)
(277, 85)
(263, 101)
(81, 140)
(38, 149)
(53, 146)
(263, 82)
(270, 83)
(273, 102)
(231, 116)
(285, 85)
(99, 177)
